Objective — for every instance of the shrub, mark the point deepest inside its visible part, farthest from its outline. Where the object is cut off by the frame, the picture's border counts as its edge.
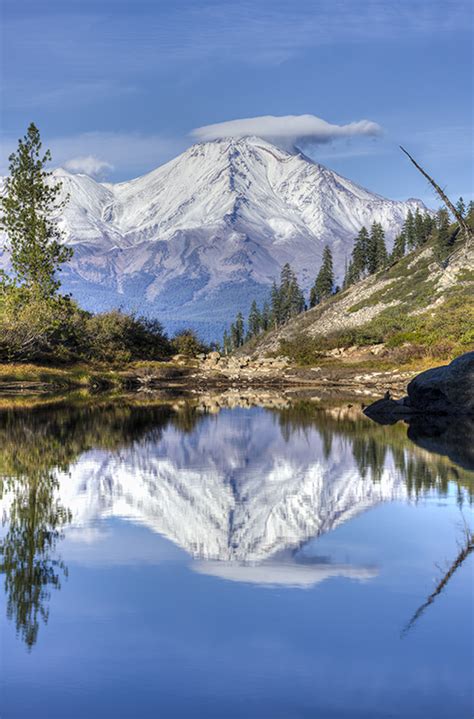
(37, 328)
(187, 343)
(118, 337)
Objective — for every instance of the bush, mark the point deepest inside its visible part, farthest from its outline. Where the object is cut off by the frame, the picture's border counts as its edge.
(118, 337)
(187, 343)
(55, 329)
(35, 328)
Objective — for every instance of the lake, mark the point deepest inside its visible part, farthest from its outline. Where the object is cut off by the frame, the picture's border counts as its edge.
(228, 558)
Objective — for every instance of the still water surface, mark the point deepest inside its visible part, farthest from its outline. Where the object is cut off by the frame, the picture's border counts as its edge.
(203, 562)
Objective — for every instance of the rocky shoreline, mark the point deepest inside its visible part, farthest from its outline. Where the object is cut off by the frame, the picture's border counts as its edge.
(446, 390)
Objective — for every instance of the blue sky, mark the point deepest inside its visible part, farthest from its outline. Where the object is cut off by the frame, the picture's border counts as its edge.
(124, 83)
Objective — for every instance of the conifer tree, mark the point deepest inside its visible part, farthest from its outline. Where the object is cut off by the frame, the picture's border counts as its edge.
(376, 250)
(276, 309)
(265, 317)
(30, 202)
(409, 231)
(461, 207)
(443, 235)
(350, 276)
(428, 226)
(399, 247)
(238, 331)
(254, 320)
(358, 264)
(419, 227)
(324, 284)
(290, 297)
(470, 215)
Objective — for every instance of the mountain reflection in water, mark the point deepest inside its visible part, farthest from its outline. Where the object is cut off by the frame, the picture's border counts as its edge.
(241, 490)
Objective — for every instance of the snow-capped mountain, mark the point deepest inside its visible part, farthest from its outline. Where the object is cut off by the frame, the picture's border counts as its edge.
(233, 493)
(201, 236)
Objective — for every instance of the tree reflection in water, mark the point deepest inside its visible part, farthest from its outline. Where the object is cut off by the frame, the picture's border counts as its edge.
(34, 445)
(37, 443)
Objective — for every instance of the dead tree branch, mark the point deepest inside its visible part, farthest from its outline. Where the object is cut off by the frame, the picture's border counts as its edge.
(459, 218)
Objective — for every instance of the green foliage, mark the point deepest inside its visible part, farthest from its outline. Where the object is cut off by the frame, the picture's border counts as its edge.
(119, 337)
(29, 205)
(237, 331)
(187, 343)
(444, 237)
(324, 284)
(33, 327)
(290, 300)
(286, 301)
(54, 329)
(255, 320)
(376, 251)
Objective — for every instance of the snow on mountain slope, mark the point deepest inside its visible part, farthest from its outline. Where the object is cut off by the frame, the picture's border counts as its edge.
(200, 237)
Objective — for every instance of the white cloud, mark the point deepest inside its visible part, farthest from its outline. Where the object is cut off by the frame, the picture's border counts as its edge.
(88, 165)
(123, 154)
(287, 130)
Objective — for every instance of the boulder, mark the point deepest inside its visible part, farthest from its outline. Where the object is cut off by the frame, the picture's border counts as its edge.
(445, 390)
(387, 410)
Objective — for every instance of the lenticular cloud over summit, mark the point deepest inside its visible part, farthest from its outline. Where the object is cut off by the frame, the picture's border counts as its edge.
(287, 130)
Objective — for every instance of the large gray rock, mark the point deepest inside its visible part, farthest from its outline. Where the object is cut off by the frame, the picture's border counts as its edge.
(447, 390)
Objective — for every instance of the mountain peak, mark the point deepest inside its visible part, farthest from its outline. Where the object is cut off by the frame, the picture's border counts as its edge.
(203, 235)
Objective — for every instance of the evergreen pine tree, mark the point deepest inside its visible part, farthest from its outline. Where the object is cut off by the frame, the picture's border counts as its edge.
(239, 330)
(376, 257)
(266, 318)
(276, 309)
(290, 296)
(428, 226)
(254, 321)
(419, 228)
(29, 204)
(443, 235)
(350, 276)
(409, 231)
(324, 284)
(359, 254)
(399, 247)
(381, 256)
(461, 207)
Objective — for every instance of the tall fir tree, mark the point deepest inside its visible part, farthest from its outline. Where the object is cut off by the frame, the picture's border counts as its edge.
(266, 316)
(376, 257)
(358, 263)
(324, 283)
(399, 247)
(409, 231)
(240, 329)
(419, 228)
(443, 235)
(461, 207)
(254, 322)
(291, 298)
(30, 204)
(276, 309)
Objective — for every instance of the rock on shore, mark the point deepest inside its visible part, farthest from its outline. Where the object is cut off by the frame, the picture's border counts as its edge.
(446, 390)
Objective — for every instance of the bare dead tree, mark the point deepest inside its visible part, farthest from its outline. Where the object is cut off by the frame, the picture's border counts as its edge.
(460, 219)
(464, 552)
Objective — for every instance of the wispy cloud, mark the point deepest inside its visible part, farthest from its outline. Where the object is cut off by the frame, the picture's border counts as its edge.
(89, 165)
(288, 130)
(121, 154)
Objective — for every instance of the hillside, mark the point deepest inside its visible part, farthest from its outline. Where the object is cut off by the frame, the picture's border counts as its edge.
(413, 309)
(198, 238)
